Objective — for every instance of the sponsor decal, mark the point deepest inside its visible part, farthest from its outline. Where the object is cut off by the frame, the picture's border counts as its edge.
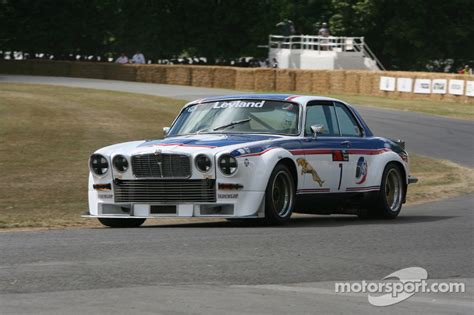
(105, 196)
(227, 196)
(422, 86)
(238, 104)
(439, 86)
(387, 83)
(361, 171)
(306, 168)
(246, 162)
(404, 84)
(340, 155)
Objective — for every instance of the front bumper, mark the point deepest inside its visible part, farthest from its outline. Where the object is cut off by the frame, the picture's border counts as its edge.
(238, 204)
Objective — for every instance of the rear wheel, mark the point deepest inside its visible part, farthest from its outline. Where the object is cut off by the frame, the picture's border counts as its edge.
(121, 223)
(279, 196)
(388, 202)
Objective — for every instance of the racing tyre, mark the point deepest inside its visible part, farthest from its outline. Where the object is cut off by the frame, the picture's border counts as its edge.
(279, 196)
(389, 200)
(121, 223)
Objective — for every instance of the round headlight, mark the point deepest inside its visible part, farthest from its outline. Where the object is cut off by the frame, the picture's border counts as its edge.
(203, 163)
(227, 164)
(120, 163)
(98, 164)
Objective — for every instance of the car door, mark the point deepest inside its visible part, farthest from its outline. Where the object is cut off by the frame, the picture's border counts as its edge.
(356, 173)
(321, 163)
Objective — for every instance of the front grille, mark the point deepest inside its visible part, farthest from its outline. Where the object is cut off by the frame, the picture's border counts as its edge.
(173, 191)
(161, 165)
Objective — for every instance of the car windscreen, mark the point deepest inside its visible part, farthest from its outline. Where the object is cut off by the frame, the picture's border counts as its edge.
(238, 116)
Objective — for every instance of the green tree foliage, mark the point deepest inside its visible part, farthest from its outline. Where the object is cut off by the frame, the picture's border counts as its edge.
(404, 34)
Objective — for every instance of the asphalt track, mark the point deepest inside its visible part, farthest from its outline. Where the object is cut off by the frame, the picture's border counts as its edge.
(238, 268)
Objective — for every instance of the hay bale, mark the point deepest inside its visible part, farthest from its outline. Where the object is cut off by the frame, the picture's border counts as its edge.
(93, 70)
(245, 79)
(8, 67)
(352, 82)
(320, 82)
(158, 74)
(202, 76)
(337, 81)
(285, 80)
(264, 79)
(224, 77)
(51, 68)
(16, 66)
(120, 72)
(366, 82)
(304, 81)
(179, 75)
(144, 73)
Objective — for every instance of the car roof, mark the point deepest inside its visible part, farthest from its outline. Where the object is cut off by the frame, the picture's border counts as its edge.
(272, 97)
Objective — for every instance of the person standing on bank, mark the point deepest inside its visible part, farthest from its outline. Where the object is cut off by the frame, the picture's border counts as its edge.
(324, 32)
(138, 58)
(274, 63)
(122, 59)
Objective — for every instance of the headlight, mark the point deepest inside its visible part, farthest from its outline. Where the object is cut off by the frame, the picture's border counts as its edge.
(227, 164)
(120, 163)
(203, 163)
(98, 164)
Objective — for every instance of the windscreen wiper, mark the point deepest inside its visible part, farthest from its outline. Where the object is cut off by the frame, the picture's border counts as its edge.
(235, 122)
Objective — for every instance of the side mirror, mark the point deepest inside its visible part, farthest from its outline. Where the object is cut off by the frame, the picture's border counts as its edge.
(316, 129)
(165, 131)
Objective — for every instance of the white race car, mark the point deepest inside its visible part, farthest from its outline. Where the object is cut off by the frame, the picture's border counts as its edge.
(252, 156)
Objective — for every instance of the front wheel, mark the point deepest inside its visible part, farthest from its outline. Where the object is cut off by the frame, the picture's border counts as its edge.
(121, 223)
(279, 196)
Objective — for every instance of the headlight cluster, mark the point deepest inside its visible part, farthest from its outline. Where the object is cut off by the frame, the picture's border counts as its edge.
(227, 164)
(120, 163)
(98, 164)
(203, 163)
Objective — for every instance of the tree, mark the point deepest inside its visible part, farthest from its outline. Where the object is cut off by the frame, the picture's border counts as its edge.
(404, 34)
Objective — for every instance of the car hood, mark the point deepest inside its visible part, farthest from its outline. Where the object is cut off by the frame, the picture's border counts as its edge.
(211, 143)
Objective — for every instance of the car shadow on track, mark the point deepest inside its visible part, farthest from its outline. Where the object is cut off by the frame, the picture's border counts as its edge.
(303, 221)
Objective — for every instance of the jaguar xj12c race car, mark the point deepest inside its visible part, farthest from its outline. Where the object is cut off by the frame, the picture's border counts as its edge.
(252, 156)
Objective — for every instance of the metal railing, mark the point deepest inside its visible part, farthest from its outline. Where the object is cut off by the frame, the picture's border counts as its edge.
(324, 43)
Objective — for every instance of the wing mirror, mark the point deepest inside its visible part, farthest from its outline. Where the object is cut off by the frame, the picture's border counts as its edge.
(316, 129)
(165, 131)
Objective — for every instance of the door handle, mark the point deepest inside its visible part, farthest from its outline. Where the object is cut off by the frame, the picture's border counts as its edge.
(346, 143)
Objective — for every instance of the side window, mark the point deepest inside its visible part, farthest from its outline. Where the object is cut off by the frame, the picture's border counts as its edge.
(347, 122)
(321, 114)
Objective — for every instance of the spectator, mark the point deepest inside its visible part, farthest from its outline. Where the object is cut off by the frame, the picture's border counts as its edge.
(286, 28)
(467, 70)
(324, 30)
(122, 59)
(274, 63)
(138, 58)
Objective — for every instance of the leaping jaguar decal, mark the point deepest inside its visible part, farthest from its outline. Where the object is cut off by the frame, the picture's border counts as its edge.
(306, 168)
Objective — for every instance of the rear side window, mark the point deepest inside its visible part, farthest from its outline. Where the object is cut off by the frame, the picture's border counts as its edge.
(321, 114)
(347, 123)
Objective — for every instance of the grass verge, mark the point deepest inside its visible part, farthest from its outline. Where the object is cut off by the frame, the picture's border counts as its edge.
(47, 134)
(462, 111)
(445, 109)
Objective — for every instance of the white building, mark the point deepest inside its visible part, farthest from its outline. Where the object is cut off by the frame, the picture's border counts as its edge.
(322, 53)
